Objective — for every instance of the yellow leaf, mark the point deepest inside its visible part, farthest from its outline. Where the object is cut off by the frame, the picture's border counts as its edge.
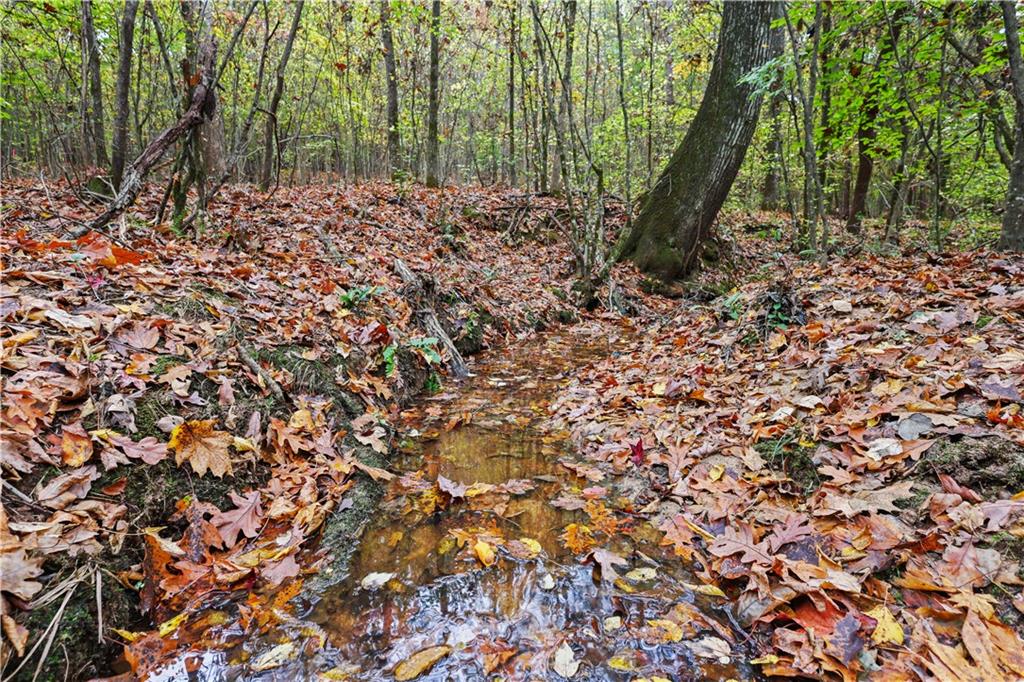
(716, 472)
(168, 626)
(128, 635)
(242, 444)
(887, 631)
(532, 545)
(770, 659)
(420, 662)
(670, 630)
(709, 590)
(202, 446)
(484, 552)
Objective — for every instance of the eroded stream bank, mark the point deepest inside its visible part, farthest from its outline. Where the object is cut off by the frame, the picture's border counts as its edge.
(469, 571)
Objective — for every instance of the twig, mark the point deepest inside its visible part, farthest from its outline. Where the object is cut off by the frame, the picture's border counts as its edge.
(249, 360)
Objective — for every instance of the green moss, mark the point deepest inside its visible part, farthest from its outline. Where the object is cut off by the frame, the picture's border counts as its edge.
(786, 455)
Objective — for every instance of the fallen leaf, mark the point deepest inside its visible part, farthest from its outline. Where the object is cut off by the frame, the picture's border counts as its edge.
(205, 448)
(420, 662)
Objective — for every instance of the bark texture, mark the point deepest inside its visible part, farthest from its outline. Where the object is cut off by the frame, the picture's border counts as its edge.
(119, 148)
(275, 101)
(99, 138)
(433, 155)
(391, 75)
(1012, 236)
(678, 212)
(200, 108)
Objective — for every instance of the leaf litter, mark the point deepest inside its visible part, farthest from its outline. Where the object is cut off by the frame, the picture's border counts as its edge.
(706, 485)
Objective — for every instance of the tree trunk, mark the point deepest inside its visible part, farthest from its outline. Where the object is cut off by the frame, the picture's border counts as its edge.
(511, 163)
(1012, 236)
(433, 156)
(770, 188)
(275, 100)
(200, 108)
(99, 137)
(867, 131)
(124, 76)
(678, 212)
(391, 76)
(564, 102)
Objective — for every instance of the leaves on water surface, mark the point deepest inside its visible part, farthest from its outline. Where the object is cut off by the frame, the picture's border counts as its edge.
(564, 661)
(420, 662)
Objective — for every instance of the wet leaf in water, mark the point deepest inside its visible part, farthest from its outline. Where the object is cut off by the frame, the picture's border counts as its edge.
(420, 662)
(485, 553)
(375, 581)
(275, 657)
(711, 647)
(565, 663)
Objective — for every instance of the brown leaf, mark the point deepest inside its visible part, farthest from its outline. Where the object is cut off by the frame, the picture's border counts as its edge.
(18, 569)
(203, 447)
(246, 518)
(66, 488)
(420, 662)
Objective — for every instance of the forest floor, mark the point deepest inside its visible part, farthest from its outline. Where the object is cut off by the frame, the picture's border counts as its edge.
(242, 452)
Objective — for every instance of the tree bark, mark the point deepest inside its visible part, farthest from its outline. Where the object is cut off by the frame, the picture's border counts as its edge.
(200, 108)
(770, 188)
(1012, 236)
(513, 17)
(391, 76)
(678, 212)
(565, 100)
(433, 156)
(99, 137)
(270, 134)
(124, 76)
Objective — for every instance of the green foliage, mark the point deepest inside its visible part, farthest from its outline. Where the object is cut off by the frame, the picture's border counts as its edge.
(356, 296)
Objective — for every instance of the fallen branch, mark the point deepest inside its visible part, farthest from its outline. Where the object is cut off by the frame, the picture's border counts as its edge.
(249, 360)
(199, 109)
(418, 294)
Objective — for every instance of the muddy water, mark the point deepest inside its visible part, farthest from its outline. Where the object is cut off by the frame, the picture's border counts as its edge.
(507, 620)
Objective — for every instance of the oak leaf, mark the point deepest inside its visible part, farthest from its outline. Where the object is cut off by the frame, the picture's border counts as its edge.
(246, 518)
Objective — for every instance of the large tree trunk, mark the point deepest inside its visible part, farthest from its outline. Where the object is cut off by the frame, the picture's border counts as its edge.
(391, 76)
(99, 137)
(1012, 236)
(275, 101)
(678, 212)
(124, 76)
(433, 156)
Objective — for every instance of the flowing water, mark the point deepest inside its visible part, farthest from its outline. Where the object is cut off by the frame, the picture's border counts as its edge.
(415, 584)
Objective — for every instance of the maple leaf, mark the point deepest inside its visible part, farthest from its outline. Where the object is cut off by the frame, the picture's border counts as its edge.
(637, 452)
(203, 447)
(246, 518)
(577, 538)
